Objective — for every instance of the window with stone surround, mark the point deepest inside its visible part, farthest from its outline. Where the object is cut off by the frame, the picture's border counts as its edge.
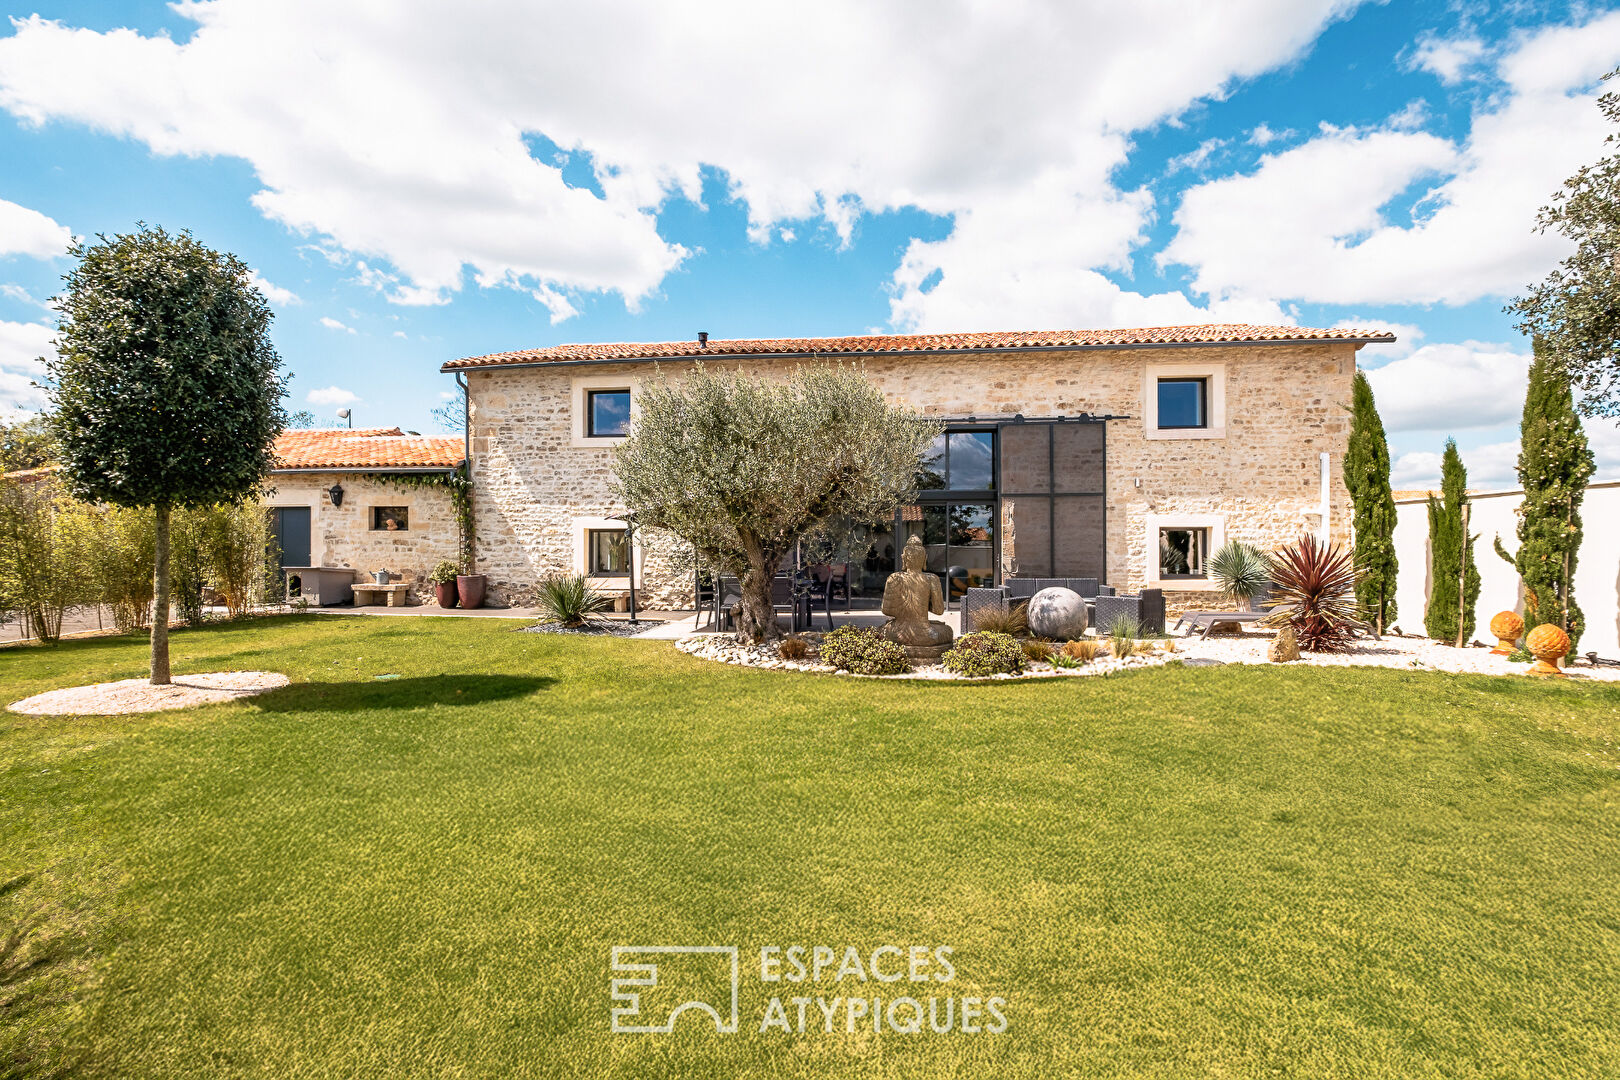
(1184, 401)
(603, 408)
(1178, 547)
(390, 518)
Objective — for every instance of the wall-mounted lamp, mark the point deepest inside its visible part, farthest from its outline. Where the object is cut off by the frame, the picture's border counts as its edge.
(336, 492)
(346, 414)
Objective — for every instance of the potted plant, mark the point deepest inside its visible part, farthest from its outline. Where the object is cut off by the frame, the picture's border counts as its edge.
(470, 589)
(443, 578)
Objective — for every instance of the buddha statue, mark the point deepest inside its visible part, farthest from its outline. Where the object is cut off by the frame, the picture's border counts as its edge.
(909, 597)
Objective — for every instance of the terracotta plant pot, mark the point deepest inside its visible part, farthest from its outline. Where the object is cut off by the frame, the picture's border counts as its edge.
(446, 592)
(470, 589)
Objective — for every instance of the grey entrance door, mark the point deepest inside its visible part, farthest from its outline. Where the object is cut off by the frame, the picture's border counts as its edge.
(291, 527)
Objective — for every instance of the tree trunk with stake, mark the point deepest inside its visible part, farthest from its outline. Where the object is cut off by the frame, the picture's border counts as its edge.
(1462, 581)
(160, 601)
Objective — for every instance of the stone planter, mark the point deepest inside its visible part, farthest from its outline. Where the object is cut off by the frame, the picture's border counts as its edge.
(470, 589)
(446, 593)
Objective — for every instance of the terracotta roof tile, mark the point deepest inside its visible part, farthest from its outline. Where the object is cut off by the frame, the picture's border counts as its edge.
(1228, 333)
(365, 449)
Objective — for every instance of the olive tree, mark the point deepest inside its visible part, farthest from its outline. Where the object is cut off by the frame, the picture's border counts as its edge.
(744, 468)
(167, 391)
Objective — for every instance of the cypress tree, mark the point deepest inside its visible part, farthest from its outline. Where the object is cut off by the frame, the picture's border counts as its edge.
(1366, 474)
(1554, 465)
(1451, 555)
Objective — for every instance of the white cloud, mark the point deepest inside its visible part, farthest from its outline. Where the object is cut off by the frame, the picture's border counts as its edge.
(1194, 159)
(22, 296)
(21, 347)
(1449, 388)
(273, 292)
(391, 134)
(331, 395)
(1263, 134)
(1312, 223)
(1491, 467)
(400, 334)
(1445, 58)
(29, 232)
(332, 324)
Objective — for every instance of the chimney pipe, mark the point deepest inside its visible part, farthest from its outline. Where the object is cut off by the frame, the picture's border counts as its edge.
(703, 339)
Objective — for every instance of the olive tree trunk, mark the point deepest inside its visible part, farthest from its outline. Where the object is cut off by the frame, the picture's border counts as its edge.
(160, 591)
(756, 623)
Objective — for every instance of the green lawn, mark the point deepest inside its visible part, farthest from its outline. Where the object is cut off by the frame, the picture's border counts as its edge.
(1179, 872)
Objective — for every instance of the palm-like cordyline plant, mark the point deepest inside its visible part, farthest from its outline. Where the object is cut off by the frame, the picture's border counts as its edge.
(1315, 586)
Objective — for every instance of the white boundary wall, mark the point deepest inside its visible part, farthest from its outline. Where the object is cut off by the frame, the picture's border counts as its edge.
(1597, 572)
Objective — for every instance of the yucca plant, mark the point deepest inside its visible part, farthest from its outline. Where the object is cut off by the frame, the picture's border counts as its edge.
(1315, 586)
(1241, 570)
(570, 600)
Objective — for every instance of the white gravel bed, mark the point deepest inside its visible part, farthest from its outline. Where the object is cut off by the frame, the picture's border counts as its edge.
(1419, 654)
(1416, 654)
(139, 695)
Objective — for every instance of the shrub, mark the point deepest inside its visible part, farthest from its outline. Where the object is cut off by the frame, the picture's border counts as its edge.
(238, 555)
(793, 648)
(1084, 650)
(444, 573)
(44, 541)
(984, 653)
(1316, 587)
(119, 564)
(1038, 650)
(570, 600)
(863, 651)
(1012, 622)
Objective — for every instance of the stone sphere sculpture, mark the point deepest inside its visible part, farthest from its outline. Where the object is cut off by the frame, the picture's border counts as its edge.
(1507, 626)
(1056, 613)
(1547, 643)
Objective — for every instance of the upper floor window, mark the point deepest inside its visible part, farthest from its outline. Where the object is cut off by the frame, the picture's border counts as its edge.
(1183, 403)
(607, 413)
(960, 461)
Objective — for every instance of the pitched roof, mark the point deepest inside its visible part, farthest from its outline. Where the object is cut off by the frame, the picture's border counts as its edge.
(366, 449)
(1220, 334)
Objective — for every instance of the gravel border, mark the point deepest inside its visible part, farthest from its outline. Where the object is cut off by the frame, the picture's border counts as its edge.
(139, 695)
(596, 629)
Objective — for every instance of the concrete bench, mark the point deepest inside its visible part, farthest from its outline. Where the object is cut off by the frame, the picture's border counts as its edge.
(392, 595)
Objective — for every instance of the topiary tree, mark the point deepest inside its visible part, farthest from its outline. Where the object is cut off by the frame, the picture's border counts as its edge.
(1366, 474)
(1555, 464)
(742, 469)
(1454, 578)
(167, 390)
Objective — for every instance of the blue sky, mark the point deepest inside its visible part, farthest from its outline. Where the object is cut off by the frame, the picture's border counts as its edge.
(416, 184)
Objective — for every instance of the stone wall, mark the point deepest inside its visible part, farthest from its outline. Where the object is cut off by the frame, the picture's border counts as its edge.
(343, 536)
(1283, 406)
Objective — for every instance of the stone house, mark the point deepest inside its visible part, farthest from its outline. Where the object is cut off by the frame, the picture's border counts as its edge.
(366, 499)
(1126, 455)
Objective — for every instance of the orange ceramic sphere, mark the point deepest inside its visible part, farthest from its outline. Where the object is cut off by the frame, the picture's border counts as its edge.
(1507, 626)
(1547, 642)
